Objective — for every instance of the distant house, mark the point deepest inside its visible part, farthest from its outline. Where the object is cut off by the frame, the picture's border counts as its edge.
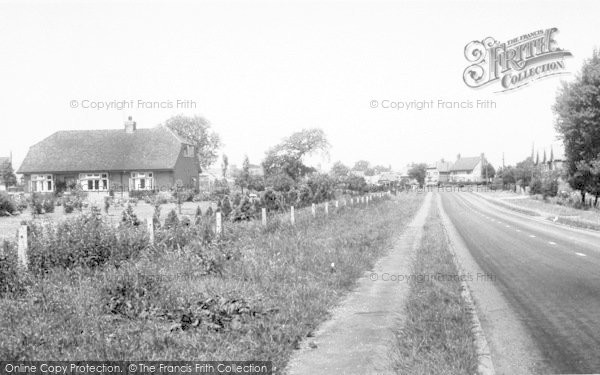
(390, 178)
(467, 169)
(103, 160)
(5, 165)
(438, 173)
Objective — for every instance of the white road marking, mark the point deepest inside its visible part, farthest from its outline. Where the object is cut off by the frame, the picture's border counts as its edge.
(518, 230)
(532, 235)
(580, 254)
(552, 243)
(508, 226)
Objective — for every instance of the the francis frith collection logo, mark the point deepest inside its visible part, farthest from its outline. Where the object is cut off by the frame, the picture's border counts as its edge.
(514, 63)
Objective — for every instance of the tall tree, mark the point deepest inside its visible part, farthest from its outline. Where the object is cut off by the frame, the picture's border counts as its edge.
(339, 170)
(288, 156)
(577, 110)
(243, 177)
(198, 131)
(8, 176)
(418, 172)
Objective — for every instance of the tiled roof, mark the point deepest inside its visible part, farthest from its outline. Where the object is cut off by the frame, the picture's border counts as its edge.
(104, 150)
(441, 166)
(465, 164)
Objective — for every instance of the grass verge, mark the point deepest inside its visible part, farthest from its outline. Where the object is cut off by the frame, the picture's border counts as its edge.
(436, 336)
(252, 296)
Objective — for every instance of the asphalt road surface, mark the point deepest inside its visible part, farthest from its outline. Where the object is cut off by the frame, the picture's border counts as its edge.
(549, 275)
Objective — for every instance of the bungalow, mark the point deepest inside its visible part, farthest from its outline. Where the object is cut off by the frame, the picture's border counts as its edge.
(103, 160)
(467, 169)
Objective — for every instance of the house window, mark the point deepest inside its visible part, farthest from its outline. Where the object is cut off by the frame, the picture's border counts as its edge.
(94, 181)
(189, 151)
(42, 183)
(141, 181)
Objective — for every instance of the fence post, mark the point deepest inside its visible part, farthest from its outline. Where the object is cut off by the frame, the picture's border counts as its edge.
(351, 201)
(150, 228)
(292, 218)
(264, 217)
(337, 205)
(314, 210)
(326, 208)
(22, 245)
(219, 227)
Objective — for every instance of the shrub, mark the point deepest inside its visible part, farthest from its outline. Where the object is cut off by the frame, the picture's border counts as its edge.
(535, 186)
(272, 200)
(48, 205)
(226, 207)
(128, 217)
(172, 220)
(82, 241)
(7, 205)
(209, 211)
(72, 203)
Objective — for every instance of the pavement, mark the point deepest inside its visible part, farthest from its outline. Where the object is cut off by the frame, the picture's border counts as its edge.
(358, 337)
(536, 286)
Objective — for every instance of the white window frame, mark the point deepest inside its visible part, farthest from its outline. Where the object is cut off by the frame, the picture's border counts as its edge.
(41, 183)
(136, 178)
(99, 181)
(189, 151)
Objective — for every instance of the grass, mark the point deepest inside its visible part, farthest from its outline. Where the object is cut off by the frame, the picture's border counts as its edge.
(252, 296)
(436, 337)
(581, 218)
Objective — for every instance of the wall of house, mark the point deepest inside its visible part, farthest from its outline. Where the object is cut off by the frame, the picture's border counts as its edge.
(163, 180)
(467, 176)
(187, 169)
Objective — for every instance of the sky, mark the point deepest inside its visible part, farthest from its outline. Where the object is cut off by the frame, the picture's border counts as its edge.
(259, 71)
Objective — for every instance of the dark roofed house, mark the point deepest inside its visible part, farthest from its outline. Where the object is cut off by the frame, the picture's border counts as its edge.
(467, 169)
(104, 160)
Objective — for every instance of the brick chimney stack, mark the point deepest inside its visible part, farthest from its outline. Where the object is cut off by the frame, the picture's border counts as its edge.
(130, 125)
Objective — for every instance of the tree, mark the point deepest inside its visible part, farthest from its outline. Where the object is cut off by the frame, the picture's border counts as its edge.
(8, 176)
(243, 177)
(491, 172)
(198, 131)
(224, 165)
(339, 170)
(361, 166)
(418, 172)
(577, 111)
(287, 157)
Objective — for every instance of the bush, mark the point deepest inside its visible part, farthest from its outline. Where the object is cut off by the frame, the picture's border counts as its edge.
(7, 205)
(72, 203)
(172, 220)
(82, 241)
(12, 279)
(129, 218)
(535, 186)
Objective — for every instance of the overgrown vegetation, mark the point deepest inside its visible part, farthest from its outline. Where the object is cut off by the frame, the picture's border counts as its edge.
(436, 337)
(255, 292)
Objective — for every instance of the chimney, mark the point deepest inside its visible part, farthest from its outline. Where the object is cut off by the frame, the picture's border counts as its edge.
(129, 126)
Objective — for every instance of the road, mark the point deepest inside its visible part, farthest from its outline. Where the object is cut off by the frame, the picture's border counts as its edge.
(548, 274)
